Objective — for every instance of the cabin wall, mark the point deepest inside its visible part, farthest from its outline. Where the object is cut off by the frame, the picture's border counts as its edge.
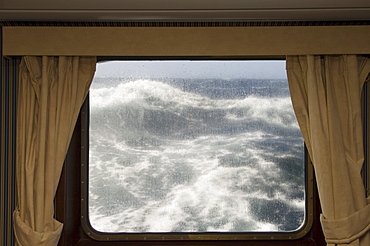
(8, 77)
(124, 10)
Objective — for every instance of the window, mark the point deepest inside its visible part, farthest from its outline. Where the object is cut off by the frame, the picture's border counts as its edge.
(194, 150)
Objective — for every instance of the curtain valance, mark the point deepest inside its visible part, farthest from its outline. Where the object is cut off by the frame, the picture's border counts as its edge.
(186, 41)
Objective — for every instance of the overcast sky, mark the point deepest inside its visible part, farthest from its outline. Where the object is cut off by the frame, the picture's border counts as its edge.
(193, 69)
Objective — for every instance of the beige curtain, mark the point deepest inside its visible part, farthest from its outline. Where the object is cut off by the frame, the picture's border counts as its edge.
(50, 93)
(326, 95)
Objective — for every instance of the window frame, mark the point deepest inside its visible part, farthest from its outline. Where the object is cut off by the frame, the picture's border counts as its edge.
(232, 237)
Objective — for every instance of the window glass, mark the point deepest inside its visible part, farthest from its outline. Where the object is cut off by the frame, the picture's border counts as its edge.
(194, 146)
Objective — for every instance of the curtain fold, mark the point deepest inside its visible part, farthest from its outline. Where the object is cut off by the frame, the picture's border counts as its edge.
(326, 95)
(51, 91)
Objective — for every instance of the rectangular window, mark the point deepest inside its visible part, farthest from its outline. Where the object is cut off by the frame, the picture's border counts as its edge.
(194, 150)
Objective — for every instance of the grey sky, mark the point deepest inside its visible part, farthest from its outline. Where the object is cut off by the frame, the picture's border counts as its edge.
(193, 69)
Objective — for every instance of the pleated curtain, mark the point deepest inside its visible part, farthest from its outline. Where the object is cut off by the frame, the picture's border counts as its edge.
(326, 94)
(51, 91)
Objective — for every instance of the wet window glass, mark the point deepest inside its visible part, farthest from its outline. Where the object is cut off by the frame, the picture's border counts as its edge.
(194, 146)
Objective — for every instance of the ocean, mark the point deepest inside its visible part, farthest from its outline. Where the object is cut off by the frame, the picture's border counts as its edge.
(194, 155)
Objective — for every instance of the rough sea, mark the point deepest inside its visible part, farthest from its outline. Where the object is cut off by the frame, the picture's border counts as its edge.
(194, 155)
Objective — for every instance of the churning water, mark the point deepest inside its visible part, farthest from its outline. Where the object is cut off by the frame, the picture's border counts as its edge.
(194, 155)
